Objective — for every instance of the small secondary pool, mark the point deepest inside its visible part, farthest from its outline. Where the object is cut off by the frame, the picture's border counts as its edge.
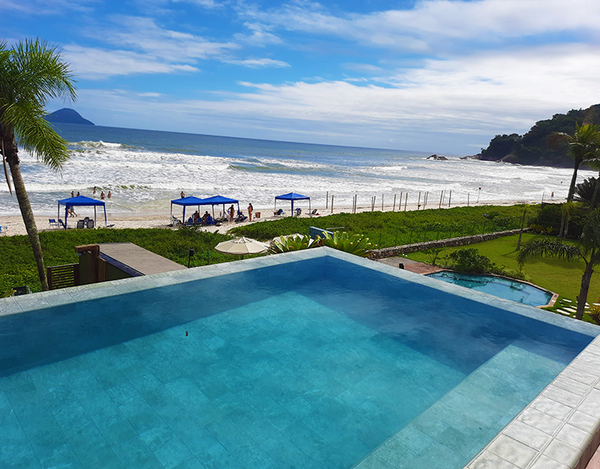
(311, 360)
(502, 287)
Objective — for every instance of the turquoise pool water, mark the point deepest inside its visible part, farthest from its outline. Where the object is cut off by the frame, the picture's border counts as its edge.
(319, 363)
(498, 286)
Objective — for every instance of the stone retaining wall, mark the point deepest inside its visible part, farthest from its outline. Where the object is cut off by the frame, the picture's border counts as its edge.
(442, 243)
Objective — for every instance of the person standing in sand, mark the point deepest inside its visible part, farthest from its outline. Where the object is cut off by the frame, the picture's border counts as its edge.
(102, 195)
(250, 209)
(109, 194)
(231, 213)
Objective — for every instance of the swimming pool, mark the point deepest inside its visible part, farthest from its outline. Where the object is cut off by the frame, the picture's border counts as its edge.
(314, 360)
(502, 287)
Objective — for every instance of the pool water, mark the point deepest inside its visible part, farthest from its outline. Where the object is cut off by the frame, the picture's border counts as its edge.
(314, 364)
(502, 287)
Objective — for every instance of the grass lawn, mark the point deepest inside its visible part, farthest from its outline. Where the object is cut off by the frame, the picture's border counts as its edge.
(558, 275)
(18, 265)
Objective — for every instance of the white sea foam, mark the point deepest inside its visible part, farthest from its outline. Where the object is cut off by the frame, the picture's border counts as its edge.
(144, 180)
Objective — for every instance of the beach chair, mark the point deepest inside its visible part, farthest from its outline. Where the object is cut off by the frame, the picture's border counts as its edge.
(314, 212)
(298, 212)
(90, 224)
(279, 212)
(175, 221)
(53, 223)
(80, 224)
(61, 224)
(210, 221)
(3, 230)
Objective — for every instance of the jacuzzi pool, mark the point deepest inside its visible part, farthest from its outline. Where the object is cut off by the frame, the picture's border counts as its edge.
(313, 359)
(502, 287)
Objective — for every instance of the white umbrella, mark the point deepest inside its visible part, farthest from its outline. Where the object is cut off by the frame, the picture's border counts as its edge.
(241, 246)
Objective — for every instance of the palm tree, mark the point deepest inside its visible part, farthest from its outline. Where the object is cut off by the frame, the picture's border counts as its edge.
(582, 145)
(588, 250)
(30, 74)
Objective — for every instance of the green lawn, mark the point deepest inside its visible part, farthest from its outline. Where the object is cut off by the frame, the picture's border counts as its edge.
(18, 265)
(558, 275)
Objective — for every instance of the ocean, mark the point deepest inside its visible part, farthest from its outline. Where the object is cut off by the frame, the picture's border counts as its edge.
(145, 169)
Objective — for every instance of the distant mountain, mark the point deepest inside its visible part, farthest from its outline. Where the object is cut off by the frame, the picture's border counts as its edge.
(532, 148)
(67, 116)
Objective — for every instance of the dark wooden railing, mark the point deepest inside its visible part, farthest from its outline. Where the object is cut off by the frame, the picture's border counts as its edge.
(62, 276)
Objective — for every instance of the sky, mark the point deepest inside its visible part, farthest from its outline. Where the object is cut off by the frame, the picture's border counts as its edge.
(441, 76)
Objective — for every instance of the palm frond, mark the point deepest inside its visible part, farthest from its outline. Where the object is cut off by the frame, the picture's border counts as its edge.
(547, 247)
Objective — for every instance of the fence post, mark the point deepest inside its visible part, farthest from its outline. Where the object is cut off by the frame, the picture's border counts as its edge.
(441, 197)
(394, 206)
(327, 200)
(405, 201)
(449, 199)
(331, 203)
(382, 202)
(419, 201)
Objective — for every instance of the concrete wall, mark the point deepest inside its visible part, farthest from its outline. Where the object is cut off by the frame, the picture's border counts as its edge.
(442, 243)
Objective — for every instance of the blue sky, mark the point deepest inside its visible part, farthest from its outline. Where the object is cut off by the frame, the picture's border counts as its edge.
(436, 75)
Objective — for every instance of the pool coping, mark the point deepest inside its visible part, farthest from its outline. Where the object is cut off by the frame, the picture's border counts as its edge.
(559, 429)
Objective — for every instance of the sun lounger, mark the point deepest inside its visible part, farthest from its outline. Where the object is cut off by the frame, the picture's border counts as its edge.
(90, 224)
(80, 224)
(279, 212)
(3, 230)
(53, 223)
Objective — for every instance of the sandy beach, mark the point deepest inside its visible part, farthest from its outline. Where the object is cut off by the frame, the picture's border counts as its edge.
(13, 225)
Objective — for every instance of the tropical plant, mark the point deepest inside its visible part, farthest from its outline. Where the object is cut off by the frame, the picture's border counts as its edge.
(357, 244)
(469, 261)
(30, 74)
(588, 250)
(582, 145)
(291, 243)
(584, 191)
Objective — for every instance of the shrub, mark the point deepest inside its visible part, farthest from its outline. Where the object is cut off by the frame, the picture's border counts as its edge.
(291, 243)
(470, 261)
(356, 244)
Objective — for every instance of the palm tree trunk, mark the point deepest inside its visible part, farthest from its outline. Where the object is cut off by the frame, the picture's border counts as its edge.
(585, 286)
(27, 213)
(573, 180)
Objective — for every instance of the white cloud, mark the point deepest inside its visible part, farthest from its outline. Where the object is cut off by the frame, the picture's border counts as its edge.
(95, 63)
(258, 63)
(145, 35)
(431, 23)
(45, 7)
(466, 100)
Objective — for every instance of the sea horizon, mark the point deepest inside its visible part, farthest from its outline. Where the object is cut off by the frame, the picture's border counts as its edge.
(144, 169)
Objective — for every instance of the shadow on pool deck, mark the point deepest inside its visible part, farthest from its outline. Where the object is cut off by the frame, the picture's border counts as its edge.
(410, 265)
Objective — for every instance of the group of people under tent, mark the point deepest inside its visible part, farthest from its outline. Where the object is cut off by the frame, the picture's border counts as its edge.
(229, 215)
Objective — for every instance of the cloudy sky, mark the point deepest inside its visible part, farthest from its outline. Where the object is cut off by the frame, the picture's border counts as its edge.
(443, 76)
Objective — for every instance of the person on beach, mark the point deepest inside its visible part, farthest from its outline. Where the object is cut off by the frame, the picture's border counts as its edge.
(250, 209)
(72, 194)
(94, 190)
(109, 194)
(182, 194)
(196, 217)
(231, 213)
(71, 211)
(78, 194)
(102, 195)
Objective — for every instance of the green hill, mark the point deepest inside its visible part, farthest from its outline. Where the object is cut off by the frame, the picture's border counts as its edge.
(532, 148)
(67, 116)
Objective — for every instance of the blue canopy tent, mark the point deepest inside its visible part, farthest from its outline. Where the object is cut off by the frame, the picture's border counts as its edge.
(292, 196)
(79, 201)
(219, 200)
(185, 202)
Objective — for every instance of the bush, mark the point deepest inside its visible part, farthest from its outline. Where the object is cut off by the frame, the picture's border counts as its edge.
(470, 261)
